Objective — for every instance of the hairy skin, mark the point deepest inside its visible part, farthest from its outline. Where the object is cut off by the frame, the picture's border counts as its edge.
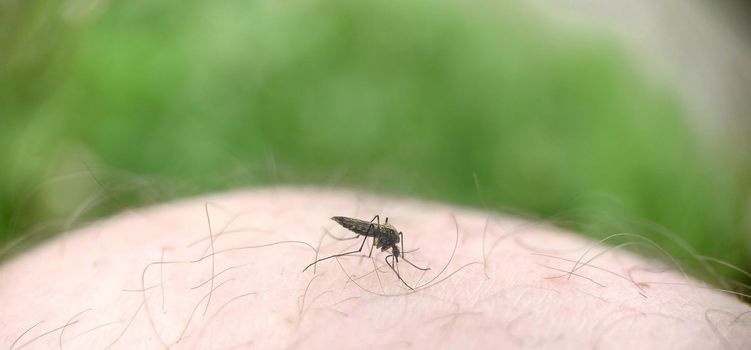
(144, 280)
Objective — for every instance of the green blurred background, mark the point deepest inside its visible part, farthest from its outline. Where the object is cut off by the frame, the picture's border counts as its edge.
(114, 105)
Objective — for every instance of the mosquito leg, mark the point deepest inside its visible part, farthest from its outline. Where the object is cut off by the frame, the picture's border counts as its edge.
(415, 266)
(373, 228)
(337, 255)
(395, 260)
(377, 219)
(371, 232)
(371, 248)
(401, 239)
(391, 265)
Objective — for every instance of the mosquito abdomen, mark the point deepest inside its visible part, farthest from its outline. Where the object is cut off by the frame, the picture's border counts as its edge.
(358, 226)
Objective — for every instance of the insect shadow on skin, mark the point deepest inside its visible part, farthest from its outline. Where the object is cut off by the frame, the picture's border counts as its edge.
(385, 236)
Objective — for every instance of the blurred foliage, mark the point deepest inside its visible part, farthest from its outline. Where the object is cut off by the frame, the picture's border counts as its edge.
(108, 105)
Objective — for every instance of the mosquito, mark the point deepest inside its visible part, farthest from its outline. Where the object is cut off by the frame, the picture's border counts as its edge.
(385, 236)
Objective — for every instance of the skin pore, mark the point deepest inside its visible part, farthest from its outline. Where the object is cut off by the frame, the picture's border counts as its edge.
(144, 280)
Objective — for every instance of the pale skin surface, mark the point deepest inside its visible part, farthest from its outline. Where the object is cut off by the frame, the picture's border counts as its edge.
(508, 297)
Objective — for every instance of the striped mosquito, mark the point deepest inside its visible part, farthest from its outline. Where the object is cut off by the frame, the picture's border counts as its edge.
(385, 236)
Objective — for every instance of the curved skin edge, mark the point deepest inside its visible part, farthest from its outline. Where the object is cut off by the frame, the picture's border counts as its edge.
(509, 296)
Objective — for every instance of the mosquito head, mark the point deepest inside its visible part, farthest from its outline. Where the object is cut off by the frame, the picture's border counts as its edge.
(395, 251)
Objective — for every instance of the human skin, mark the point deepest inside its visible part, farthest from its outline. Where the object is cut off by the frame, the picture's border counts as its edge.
(128, 282)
